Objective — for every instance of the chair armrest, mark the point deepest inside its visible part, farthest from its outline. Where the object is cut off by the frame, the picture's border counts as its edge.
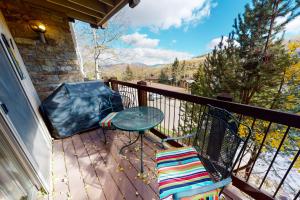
(203, 189)
(179, 138)
(176, 138)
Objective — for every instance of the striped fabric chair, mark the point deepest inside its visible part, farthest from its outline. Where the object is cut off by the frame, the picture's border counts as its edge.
(201, 171)
(106, 122)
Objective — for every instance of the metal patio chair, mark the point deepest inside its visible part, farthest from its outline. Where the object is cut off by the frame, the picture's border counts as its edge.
(202, 170)
(111, 110)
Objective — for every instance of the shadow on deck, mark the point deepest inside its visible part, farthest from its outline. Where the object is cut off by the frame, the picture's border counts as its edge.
(85, 168)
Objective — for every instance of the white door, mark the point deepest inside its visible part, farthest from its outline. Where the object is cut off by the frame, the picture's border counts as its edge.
(19, 112)
(15, 184)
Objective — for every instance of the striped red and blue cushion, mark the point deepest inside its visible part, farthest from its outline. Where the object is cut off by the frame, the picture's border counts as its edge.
(106, 121)
(180, 170)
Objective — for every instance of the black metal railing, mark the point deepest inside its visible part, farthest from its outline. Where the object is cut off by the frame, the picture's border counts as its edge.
(266, 169)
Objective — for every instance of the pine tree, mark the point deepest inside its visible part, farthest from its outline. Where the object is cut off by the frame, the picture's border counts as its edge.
(262, 54)
(163, 77)
(182, 70)
(253, 58)
(128, 76)
(252, 65)
(174, 71)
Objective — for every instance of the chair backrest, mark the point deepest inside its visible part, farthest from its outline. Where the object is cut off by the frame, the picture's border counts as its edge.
(113, 103)
(128, 98)
(218, 141)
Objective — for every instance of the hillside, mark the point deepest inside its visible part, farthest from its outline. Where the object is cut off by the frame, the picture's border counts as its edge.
(142, 71)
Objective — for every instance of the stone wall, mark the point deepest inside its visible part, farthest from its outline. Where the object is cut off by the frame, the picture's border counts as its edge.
(48, 64)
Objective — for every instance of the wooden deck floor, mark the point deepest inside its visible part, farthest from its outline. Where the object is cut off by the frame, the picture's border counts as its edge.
(85, 168)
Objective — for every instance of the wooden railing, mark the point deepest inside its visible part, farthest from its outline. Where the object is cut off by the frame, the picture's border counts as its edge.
(180, 110)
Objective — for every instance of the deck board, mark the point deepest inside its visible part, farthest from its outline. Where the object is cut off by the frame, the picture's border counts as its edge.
(84, 167)
(91, 182)
(131, 166)
(60, 181)
(101, 167)
(119, 176)
(76, 185)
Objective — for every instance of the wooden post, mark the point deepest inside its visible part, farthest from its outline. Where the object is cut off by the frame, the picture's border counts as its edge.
(142, 95)
(114, 86)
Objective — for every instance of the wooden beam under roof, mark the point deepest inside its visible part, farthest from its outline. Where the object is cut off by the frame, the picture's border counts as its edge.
(78, 8)
(114, 10)
(91, 4)
(69, 12)
(95, 12)
(108, 2)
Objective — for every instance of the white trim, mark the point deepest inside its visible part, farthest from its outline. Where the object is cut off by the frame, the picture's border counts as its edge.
(26, 84)
(20, 151)
(21, 83)
(30, 94)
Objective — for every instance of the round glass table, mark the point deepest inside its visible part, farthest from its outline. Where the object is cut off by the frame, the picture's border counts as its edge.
(138, 119)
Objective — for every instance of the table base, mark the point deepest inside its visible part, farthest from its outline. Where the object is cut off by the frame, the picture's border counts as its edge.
(141, 135)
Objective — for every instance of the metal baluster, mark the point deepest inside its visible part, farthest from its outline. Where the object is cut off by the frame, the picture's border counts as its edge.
(199, 126)
(297, 195)
(286, 173)
(160, 108)
(244, 150)
(185, 119)
(260, 148)
(189, 141)
(169, 116)
(278, 149)
(179, 116)
(165, 115)
(204, 135)
(174, 117)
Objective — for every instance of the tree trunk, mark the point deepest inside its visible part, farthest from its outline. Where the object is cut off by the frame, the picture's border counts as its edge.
(277, 96)
(273, 17)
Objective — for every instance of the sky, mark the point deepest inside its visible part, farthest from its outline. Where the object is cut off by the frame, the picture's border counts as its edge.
(159, 31)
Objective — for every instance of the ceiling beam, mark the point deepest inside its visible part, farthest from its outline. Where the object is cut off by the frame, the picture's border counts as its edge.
(69, 12)
(78, 8)
(114, 10)
(91, 4)
(110, 3)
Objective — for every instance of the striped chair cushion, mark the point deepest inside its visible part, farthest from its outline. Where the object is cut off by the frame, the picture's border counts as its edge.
(106, 121)
(180, 170)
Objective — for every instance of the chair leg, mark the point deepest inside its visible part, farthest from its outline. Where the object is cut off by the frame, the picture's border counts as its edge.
(104, 134)
(129, 136)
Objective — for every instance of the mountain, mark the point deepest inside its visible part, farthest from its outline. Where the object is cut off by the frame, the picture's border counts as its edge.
(143, 71)
(126, 64)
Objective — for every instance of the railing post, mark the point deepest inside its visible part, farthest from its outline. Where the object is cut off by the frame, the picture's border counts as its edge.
(142, 95)
(114, 85)
(224, 96)
(106, 81)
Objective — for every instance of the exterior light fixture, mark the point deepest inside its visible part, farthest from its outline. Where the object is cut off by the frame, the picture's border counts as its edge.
(39, 28)
(133, 3)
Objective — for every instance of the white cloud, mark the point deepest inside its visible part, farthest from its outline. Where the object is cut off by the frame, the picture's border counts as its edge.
(140, 40)
(174, 41)
(149, 56)
(164, 14)
(214, 42)
(293, 27)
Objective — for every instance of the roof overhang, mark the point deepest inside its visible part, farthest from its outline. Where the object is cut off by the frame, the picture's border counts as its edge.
(94, 12)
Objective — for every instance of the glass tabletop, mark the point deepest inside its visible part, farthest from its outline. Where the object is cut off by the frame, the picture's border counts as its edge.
(138, 118)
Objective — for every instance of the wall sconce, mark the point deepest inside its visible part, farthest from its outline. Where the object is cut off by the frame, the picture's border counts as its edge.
(39, 28)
